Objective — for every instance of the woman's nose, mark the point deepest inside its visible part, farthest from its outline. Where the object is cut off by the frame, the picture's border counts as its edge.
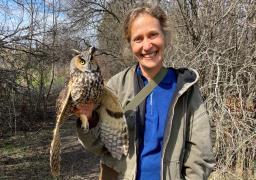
(147, 45)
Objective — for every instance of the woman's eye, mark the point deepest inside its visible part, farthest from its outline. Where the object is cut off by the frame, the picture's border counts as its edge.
(137, 40)
(82, 61)
(153, 35)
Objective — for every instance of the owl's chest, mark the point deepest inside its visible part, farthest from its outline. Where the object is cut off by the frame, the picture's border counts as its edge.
(87, 87)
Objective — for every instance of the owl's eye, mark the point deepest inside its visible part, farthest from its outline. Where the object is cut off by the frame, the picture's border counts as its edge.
(82, 61)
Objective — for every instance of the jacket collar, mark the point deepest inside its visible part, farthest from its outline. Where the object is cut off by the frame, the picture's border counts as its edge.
(187, 77)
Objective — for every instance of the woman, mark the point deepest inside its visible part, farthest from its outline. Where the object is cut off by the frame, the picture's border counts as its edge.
(169, 133)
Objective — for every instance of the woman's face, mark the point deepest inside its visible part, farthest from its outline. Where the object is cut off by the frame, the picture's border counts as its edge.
(147, 42)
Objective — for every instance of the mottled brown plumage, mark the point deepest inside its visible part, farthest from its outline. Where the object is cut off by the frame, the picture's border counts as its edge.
(86, 84)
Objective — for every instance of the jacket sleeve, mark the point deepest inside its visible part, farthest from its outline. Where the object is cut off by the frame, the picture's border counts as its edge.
(199, 159)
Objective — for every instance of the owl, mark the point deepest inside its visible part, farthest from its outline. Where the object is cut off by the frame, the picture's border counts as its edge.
(86, 84)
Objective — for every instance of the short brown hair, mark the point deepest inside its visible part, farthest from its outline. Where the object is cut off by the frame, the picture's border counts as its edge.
(155, 11)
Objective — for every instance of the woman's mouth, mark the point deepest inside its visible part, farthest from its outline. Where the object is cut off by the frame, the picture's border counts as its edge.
(149, 55)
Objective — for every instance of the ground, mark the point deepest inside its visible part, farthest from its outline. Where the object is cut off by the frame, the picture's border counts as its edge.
(26, 155)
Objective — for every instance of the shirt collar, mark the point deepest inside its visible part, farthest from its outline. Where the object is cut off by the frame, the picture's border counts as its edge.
(168, 79)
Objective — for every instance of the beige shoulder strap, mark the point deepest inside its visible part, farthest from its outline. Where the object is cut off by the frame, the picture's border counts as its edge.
(146, 90)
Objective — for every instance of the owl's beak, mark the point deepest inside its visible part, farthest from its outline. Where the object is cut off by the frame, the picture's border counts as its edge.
(88, 67)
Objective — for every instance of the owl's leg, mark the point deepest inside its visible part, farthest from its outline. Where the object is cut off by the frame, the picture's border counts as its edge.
(85, 123)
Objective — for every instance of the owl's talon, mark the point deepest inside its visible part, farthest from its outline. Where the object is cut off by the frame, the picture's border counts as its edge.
(85, 123)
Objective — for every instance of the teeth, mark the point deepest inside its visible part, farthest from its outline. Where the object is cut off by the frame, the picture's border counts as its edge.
(149, 55)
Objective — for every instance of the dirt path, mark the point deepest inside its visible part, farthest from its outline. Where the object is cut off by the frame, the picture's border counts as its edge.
(26, 156)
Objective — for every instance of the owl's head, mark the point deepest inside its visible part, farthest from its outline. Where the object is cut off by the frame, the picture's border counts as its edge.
(84, 62)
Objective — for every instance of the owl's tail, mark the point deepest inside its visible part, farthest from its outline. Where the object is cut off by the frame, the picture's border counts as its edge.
(55, 152)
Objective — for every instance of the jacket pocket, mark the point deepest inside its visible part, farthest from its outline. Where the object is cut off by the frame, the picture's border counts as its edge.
(172, 170)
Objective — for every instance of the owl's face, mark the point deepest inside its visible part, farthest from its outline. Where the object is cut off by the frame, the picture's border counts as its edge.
(84, 62)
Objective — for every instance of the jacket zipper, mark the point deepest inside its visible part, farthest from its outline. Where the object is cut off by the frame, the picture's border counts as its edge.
(169, 134)
(184, 130)
(165, 142)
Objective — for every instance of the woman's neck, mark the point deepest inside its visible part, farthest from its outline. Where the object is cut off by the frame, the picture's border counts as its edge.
(150, 73)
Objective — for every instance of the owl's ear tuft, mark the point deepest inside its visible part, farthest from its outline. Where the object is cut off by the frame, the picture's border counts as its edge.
(92, 50)
(75, 52)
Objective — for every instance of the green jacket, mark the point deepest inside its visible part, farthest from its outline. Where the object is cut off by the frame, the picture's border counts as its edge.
(187, 149)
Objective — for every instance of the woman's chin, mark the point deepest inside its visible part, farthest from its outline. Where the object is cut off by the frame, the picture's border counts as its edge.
(150, 63)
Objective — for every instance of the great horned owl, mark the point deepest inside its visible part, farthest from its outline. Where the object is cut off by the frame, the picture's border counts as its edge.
(86, 84)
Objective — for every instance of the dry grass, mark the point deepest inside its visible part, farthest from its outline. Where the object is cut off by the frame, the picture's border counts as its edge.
(26, 156)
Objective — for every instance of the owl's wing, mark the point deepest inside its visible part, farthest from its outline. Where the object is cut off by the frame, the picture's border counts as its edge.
(63, 111)
(113, 125)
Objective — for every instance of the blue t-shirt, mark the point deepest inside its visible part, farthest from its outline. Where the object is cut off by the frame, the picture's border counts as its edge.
(156, 112)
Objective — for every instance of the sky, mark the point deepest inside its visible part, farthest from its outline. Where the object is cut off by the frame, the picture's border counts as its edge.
(17, 14)
(14, 13)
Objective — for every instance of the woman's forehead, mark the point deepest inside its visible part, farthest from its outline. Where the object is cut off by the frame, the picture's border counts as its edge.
(145, 22)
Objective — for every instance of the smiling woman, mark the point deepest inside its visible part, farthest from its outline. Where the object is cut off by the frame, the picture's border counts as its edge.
(169, 132)
(147, 44)
(146, 31)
